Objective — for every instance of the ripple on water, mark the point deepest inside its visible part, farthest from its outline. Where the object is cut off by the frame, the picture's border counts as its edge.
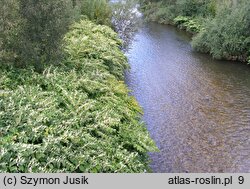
(196, 109)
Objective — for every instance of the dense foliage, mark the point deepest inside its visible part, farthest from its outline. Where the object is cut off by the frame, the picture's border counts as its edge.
(9, 23)
(187, 23)
(32, 30)
(35, 29)
(164, 11)
(228, 34)
(222, 26)
(76, 117)
(98, 11)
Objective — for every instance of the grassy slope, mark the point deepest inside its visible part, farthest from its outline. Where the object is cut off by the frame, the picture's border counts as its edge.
(75, 117)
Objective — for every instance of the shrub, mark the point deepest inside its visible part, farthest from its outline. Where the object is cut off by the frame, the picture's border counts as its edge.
(166, 11)
(187, 23)
(159, 12)
(9, 27)
(222, 26)
(98, 11)
(76, 117)
(228, 34)
(44, 23)
(33, 29)
(194, 7)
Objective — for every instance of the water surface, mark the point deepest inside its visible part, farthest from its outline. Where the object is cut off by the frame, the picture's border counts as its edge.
(196, 109)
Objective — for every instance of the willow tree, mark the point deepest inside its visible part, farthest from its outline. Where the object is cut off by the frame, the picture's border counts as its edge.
(44, 22)
(32, 30)
(9, 24)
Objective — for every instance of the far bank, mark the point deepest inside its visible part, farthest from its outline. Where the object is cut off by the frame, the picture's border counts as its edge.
(221, 29)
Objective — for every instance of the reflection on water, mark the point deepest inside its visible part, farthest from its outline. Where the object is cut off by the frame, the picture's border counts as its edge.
(196, 109)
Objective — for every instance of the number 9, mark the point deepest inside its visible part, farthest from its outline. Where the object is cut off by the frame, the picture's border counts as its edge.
(241, 179)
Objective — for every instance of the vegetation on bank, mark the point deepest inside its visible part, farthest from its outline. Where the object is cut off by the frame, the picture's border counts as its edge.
(221, 28)
(32, 31)
(98, 11)
(69, 111)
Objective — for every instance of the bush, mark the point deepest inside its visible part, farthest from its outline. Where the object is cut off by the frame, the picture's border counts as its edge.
(188, 24)
(223, 27)
(44, 23)
(228, 34)
(98, 11)
(33, 29)
(165, 11)
(9, 27)
(76, 117)
(159, 12)
(195, 7)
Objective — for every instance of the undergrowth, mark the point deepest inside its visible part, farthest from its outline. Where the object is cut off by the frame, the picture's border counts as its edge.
(75, 117)
(188, 24)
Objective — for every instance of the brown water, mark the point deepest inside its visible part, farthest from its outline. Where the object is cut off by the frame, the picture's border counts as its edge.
(196, 109)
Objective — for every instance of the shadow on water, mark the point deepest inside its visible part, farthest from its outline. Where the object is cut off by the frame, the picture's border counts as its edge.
(196, 109)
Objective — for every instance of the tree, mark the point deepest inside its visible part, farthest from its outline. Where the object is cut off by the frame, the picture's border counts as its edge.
(9, 24)
(126, 19)
(32, 30)
(44, 22)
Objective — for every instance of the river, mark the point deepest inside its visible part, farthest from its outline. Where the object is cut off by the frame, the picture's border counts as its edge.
(196, 109)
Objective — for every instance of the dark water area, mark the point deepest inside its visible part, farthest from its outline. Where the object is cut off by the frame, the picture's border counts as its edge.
(196, 109)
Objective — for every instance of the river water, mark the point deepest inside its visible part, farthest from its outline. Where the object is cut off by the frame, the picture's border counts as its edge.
(196, 109)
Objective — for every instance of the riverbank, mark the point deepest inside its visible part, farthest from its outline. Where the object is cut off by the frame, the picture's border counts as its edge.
(76, 116)
(154, 12)
(218, 28)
